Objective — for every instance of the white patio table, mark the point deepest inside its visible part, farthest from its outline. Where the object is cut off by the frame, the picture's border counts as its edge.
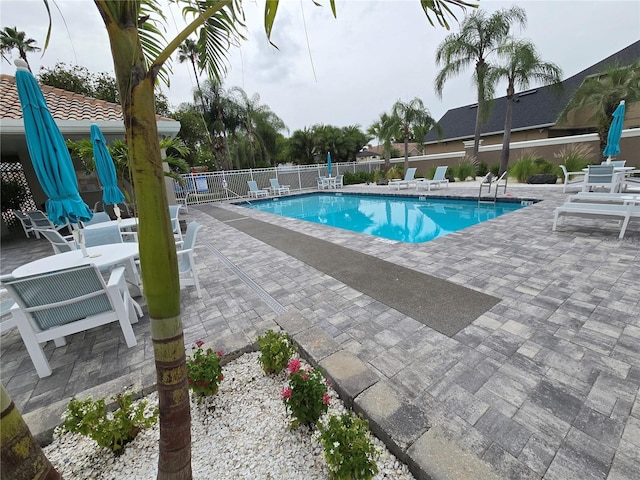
(102, 256)
(124, 224)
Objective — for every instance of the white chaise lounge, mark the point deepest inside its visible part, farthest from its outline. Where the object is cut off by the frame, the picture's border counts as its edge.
(624, 213)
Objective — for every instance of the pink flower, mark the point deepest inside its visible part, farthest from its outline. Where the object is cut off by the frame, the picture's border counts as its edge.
(220, 377)
(220, 353)
(294, 366)
(327, 381)
(199, 343)
(304, 376)
(285, 393)
(326, 398)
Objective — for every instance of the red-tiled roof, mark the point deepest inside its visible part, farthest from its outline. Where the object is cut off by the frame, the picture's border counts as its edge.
(62, 104)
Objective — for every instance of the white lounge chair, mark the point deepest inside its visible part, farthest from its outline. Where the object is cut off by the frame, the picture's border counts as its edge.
(625, 213)
(58, 242)
(40, 221)
(52, 305)
(601, 197)
(186, 264)
(602, 176)
(408, 179)
(571, 179)
(438, 179)
(276, 188)
(256, 192)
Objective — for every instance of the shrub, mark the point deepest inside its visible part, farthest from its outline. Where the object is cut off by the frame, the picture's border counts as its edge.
(495, 169)
(275, 351)
(464, 169)
(378, 175)
(529, 163)
(348, 449)
(575, 157)
(306, 397)
(482, 169)
(357, 177)
(394, 172)
(91, 419)
(204, 371)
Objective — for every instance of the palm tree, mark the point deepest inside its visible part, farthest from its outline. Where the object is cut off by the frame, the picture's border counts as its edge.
(411, 115)
(256, 118)
(601, 94)
(521, 64)
(11, 38)
(384, 130)
(139, 54)
(478, 38)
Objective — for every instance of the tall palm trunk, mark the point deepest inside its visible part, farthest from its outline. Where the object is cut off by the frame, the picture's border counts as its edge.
(406, 148)
(158, 257)
(20, 454)
(506, 139)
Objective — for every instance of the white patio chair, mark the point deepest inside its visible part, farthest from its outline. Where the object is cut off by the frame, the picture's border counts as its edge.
(323, 183)
(571, 179)
(52, 305)
(254, 191)
(338, 182)
(602, 176)
(186, 264)
(174, 212)
(7, 321)
(438, 179)
(408, 178)
(25, 221)
(276, 188)
(98, 217)
(59, 242)
(102, 235)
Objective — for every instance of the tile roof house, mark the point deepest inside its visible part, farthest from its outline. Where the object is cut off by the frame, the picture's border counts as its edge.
(535, 112)
(73, 114)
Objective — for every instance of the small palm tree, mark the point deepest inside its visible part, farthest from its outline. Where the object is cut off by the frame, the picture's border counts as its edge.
(521, 64)
(11, 38)
(384, 130)
(601, 94)
(479, 37)
(410, 115)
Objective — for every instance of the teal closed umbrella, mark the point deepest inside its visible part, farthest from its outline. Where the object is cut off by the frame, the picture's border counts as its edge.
(329, 163)
(111, 194)
(615, 132)
(49, 154)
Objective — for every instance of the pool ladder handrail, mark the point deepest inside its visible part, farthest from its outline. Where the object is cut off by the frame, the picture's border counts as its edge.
(489, 180)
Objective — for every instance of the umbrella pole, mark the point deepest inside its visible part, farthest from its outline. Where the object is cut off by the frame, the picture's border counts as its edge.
(116, 210)
(78, 237)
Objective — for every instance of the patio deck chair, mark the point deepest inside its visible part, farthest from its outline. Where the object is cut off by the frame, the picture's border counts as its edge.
(571, 179)
(602, 176)
(598, 197)
(186, 264)
(614, 163)
(625, 213)
(276, 188)
(408, 178)
(102, 235)
(40, 221)
(25, 221)
(254, 191)
(52, 305)
(98, 217)
(438, 179)
(59, 242)
(338, 182)
(323, 183)
(7, 321)
(174, 213)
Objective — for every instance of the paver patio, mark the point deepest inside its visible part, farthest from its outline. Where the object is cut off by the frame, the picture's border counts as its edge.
(543, 385)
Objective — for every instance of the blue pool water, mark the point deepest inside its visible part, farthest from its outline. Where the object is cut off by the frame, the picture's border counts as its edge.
(404, 219)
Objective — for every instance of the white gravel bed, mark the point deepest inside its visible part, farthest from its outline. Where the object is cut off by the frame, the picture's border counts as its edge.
(241, 432)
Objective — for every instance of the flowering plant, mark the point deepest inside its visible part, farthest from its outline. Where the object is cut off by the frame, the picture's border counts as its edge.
(275, 351)
(204, 371)
(347, 446)
(306, 397)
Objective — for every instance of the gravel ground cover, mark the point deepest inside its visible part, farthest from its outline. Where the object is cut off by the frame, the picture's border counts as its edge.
(240, 433)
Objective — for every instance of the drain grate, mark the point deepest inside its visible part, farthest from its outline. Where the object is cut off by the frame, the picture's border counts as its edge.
(276, 306)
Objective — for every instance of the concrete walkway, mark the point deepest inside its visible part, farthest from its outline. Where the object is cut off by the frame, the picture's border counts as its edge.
(542, 385)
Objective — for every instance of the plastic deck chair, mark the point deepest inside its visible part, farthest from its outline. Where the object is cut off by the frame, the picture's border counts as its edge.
(174, 212)
(186, 265)
(52, 305)
(59, 243)
(102, 236)
(25, 221)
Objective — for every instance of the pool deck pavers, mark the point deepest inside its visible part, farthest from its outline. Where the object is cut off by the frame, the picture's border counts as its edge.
(542, 385)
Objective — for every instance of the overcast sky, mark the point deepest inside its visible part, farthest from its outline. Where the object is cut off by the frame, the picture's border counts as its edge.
(347, 70)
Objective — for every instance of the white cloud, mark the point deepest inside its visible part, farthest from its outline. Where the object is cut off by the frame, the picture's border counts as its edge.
(347, 70)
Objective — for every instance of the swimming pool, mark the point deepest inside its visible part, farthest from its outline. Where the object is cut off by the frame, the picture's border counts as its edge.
(403, 219)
